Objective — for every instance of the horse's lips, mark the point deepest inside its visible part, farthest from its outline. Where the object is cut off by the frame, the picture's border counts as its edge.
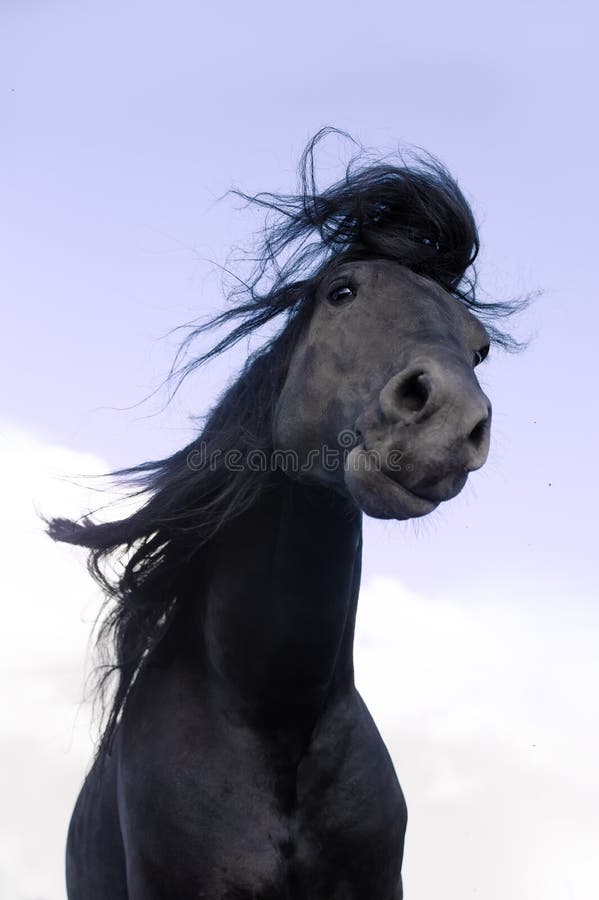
(378, 494)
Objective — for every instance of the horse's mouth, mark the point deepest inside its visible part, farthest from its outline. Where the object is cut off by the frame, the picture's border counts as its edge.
(382, 492)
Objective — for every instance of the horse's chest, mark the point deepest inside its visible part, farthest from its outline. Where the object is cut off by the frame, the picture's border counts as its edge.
(233, 823)
(351, 814)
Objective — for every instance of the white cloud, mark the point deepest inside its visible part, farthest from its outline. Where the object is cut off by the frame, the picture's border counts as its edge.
(487, 703)
(488, 706)
(48, 606)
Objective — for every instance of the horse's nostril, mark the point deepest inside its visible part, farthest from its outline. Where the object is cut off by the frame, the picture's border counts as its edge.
(479, 433)
(413, 393)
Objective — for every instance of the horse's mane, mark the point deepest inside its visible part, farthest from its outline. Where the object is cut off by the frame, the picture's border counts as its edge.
(411, 211)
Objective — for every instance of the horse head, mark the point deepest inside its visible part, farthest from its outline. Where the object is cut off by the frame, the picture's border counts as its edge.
(381, 399)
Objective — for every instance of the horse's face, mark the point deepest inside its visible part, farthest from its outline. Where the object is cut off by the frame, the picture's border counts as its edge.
(388, 357)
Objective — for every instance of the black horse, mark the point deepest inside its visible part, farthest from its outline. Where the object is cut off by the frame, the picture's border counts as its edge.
(238, 761)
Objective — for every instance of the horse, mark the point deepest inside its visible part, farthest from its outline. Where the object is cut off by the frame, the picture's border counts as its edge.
(238, 760)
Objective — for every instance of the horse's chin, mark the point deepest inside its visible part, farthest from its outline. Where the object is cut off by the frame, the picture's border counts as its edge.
(380, 495)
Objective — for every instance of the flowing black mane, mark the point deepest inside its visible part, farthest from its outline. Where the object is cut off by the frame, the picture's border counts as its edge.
(410, 212)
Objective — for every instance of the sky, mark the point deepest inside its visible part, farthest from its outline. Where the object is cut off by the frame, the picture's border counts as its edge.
(123, 125)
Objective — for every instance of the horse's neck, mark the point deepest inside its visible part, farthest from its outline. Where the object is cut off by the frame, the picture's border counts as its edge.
(279, 611)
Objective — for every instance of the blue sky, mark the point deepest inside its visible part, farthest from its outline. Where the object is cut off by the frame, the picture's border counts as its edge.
(123, 123)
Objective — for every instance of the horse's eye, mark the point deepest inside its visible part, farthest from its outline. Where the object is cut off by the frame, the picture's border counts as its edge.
(341, 294)
(480, 355)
